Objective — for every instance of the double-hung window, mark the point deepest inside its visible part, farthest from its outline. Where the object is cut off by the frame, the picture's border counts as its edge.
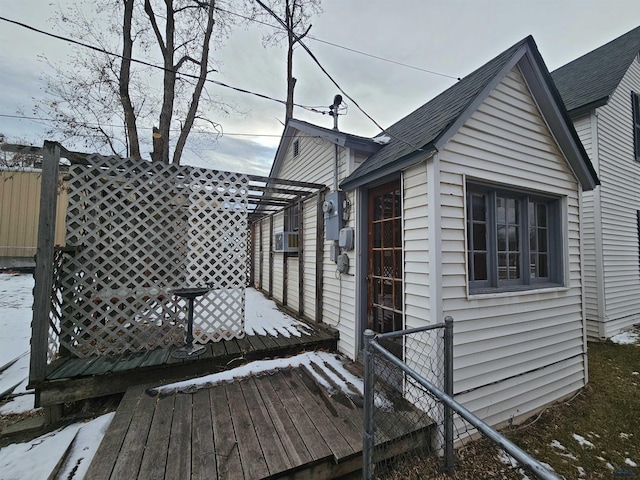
(514, 240)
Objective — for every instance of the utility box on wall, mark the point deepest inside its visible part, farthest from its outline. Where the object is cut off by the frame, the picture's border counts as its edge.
(332, 208)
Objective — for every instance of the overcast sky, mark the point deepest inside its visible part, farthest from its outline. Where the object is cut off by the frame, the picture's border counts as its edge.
(451, 37)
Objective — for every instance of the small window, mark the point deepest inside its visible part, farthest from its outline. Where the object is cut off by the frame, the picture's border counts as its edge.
(635, 108)
(513, 240)
(296, 148)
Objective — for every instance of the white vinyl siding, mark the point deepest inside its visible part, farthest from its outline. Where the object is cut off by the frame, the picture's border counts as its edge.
(278, 262)
(309, 220)
(293, 283)
(592, 276)
(416, 248)
(620, 199)
(315, 163)
(518, 335)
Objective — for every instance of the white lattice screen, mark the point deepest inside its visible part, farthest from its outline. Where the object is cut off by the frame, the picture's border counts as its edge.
(135, 231)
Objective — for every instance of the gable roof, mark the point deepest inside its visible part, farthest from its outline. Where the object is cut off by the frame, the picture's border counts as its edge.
(588, 82)
(426, 130)
(361, 144)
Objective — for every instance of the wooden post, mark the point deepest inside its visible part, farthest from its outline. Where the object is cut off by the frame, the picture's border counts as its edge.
(319, 255)
(300, 258)
(261, 265)
(44, 264)
(271, 256)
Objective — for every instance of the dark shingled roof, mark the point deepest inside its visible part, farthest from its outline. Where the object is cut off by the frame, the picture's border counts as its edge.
(423, 127)
(589, 81)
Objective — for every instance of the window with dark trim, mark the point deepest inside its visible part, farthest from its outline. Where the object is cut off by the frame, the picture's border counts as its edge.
(513, 240)
(635, 108)
(296, 148)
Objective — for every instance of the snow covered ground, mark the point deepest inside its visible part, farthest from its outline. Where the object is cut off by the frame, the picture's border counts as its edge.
(36, 459)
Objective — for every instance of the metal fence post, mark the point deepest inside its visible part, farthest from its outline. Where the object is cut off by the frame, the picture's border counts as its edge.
(448, 389)
(367, 433)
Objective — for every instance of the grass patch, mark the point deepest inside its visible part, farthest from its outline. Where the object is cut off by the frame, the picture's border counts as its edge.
(606, 414)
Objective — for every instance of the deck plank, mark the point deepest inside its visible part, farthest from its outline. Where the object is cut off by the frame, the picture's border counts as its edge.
(218, 350)
(245, 345)
(312, 439)
(154, 357)
(72, 368)
(102, 465)
(340, 418)
(254, 464)
(232, 347)
(289, 436)
(133, 445)
(268, 342)
(203, 455)
(274, 452)
(154, 459)
(256, 342)
(179, 453)
(333, 438)
(228, 462)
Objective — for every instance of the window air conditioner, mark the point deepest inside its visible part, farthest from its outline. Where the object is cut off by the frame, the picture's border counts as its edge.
(285, 242)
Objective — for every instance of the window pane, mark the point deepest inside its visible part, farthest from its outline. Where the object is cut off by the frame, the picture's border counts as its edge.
(396, 203)
(397, 227)
(387, 234)
(377, 263)
(502, 239)
(398, 264)
(513, 239)
(542, 215)
(513, 213)
(542, 240)
(502, 266)
(377, 235)
(387, 266)
(479, 236)
(501, 205)
(543, 265)
(480, 266)
(387, 205)
(398, 296)
(514, 266)
(387, 300)
(376, 291)
(478, 207)
(533, 268)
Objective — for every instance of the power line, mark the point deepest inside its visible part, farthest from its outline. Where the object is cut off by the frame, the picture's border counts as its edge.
(151, 65)
(317, 62)
(343, 47)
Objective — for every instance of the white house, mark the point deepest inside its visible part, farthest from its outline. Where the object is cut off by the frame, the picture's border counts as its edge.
(469, 206)
(600, 91)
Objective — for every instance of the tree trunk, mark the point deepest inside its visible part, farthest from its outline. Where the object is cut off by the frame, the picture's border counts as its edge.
(125, 74)
(202, 77)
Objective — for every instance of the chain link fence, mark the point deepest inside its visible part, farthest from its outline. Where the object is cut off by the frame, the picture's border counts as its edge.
(429, 434)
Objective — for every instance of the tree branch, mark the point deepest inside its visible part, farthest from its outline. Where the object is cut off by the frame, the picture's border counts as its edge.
(154, 23)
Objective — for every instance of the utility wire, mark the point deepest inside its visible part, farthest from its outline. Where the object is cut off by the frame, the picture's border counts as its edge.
(317, 62)
(148, 64)
(343, 47)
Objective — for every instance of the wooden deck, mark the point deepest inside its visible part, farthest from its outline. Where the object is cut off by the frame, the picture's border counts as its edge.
(82, 378)
(281, 424)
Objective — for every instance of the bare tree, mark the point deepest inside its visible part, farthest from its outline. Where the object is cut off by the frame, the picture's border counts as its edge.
(106, 99)
(296, 15)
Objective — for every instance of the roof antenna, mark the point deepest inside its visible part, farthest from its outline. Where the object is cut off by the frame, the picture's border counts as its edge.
(337, 100)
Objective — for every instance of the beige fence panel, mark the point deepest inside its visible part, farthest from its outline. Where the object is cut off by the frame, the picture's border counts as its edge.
(19, 210)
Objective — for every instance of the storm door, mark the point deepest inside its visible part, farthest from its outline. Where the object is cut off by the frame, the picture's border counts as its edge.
(384, 276)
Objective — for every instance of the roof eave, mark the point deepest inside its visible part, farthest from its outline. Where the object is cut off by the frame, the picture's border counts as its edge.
(587, 108)
(402, 163)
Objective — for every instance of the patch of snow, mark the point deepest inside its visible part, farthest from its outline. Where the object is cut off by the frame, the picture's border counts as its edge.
(19, 404)
(582, 441)
(382, 139)
(630, 462)
(346, 384)
(635, 373)
(507, 459)
(625, 436)
(38, 458)
(557, 444)
(581, 472)
(625, 338)
(568, 455)
(16, 302)
(524, 475)
(84, 447)
(262, 317)
(14, 375)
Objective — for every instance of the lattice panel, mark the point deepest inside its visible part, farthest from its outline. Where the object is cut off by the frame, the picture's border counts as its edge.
(137, 230)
